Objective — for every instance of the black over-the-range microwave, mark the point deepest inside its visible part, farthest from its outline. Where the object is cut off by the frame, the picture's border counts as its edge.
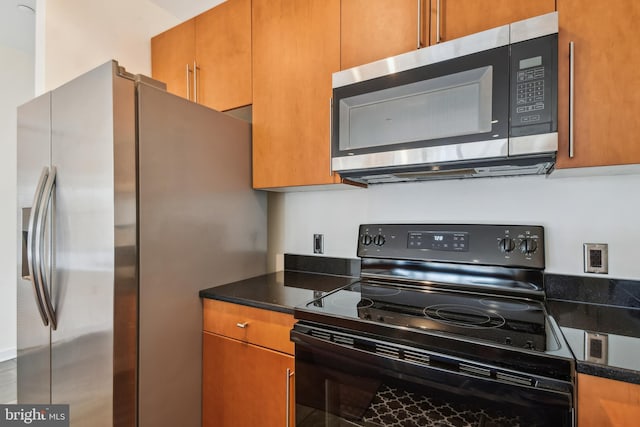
(480, 105)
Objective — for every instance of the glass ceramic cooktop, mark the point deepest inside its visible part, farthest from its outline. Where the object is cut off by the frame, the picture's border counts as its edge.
(509, 321)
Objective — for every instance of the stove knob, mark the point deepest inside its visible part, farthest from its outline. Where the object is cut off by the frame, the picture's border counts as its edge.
(379, 240)
(528, 246)
(366, 240)
(507, 245)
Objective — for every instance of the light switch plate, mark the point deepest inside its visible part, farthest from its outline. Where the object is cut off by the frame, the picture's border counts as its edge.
(596, 258)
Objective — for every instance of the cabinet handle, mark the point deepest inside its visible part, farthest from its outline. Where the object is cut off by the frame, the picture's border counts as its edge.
(242, 325)
(290, 374)
(571, 97)
(188, 83)
(419, 24)
(195, 82)
(438, 21)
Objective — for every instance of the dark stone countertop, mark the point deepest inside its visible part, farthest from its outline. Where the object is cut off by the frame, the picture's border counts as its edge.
(283, 290)
(601, 306)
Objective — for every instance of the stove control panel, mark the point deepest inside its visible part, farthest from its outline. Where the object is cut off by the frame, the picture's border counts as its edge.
(502, 245)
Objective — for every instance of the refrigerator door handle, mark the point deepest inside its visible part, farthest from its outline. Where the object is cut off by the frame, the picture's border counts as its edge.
(43, 280)
(31, 245)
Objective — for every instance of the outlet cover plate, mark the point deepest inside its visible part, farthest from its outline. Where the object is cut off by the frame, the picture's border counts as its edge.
(318, 243)
(596, 258)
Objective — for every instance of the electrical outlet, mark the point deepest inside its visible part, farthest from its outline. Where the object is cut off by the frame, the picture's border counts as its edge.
(318, 244)
(596, 347)
(596, 258)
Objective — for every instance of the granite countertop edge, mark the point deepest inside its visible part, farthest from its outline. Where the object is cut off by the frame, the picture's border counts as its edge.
(211, 294)
(608, 372)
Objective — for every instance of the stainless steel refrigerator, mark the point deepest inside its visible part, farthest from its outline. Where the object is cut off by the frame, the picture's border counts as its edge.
(130, 201)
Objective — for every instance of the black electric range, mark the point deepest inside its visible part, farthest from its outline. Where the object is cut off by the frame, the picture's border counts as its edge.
(461, 301)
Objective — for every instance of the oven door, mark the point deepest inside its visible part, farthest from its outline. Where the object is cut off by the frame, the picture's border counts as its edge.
(350, 380)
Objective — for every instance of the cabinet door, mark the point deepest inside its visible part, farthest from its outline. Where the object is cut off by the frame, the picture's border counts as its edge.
(606, 101)
(244, 385)
(223, 54)
(172, 55)
(459, 18)
(296, 48)
(375, 29)
(607, 403)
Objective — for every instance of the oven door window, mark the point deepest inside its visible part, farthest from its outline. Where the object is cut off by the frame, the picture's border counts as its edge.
(340, 386)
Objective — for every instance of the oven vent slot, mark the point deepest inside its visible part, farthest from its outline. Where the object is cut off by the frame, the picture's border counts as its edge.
(420, 358)
(500, 376)
(320, 334)
(474, 370)
(339, 339)
(388, 351)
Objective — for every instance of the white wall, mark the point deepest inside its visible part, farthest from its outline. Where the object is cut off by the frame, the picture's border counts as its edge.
(74, 36)
(16, 87)
(573, 210)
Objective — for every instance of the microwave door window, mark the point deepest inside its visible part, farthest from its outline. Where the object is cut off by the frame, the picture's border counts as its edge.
(452, 105)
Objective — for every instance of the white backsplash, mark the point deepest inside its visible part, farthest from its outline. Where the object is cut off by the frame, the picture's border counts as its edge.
(573, 210)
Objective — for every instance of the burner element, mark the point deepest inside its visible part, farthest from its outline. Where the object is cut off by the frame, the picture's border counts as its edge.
(464, 316)
(375, 291)
(505, 305)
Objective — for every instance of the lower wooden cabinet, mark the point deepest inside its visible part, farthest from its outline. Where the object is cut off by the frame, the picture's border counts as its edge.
(247, 366)
(245, 385)
(607, 403)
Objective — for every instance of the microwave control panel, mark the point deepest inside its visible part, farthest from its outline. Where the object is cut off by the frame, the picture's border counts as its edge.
(534, 92)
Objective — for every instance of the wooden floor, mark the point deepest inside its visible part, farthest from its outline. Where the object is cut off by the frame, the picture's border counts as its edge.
(8, 381)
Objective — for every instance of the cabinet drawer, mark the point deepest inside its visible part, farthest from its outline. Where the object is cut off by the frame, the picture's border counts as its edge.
(257, 326)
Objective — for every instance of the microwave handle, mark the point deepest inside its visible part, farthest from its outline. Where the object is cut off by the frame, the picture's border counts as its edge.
(571, 97)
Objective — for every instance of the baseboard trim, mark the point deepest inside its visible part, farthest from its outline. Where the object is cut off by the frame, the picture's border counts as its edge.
(8, 354)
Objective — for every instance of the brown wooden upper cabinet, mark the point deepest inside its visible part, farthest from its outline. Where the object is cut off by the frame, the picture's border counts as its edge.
(451, 19)
(605, 83)
(375, 29)
(296, 48)
(207, 59)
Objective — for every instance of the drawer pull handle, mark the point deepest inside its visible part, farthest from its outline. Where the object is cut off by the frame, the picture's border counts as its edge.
(242, 325)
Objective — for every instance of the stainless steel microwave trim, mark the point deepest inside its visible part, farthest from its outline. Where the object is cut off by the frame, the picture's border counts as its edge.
(416, 156)
(531, 28)
(500, 36)
(464, 171)
(533, 144)
(478, 42)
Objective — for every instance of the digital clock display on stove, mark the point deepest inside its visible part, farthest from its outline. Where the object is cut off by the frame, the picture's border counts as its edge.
(439, 241)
